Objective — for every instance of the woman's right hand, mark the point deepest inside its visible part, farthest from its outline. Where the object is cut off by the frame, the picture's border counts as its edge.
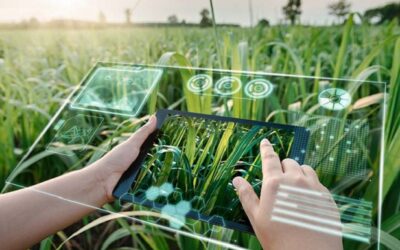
(283, 233)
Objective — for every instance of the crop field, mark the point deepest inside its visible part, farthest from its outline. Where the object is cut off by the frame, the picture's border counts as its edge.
(39, 68)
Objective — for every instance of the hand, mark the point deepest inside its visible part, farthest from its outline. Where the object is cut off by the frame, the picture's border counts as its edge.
(89, 187)
(110, 168)
(274, 234)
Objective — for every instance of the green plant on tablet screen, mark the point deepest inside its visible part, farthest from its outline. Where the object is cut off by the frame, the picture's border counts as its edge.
(200, 157)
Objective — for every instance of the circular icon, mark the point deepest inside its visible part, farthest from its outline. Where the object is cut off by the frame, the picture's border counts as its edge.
(334, 99)
(228, 85)
(258, 88)
(199, 83)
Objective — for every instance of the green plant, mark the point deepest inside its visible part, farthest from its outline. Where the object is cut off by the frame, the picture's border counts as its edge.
(42, 67)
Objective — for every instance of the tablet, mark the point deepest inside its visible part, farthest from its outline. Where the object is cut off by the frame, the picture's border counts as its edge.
(185, 168)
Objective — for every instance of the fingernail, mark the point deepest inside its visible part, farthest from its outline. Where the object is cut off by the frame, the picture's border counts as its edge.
(151, 119)
(237, 182)
(265, 141)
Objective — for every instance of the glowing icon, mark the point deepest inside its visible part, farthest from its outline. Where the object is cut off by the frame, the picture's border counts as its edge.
(117, 91)
(175, 213)
(166, 189)
(183, 207)
(258, 88)
(228, 85)
(76, 135)
(334, 99)
(152, 193)
(199, 83)
(78, 130)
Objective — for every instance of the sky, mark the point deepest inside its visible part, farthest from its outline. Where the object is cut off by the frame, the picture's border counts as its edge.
(227, 11)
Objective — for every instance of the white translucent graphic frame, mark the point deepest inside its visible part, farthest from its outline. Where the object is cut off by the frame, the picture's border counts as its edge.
(77, 103)
(267, 92)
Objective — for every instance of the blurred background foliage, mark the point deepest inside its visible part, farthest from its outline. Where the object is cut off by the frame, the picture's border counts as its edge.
(40, 67)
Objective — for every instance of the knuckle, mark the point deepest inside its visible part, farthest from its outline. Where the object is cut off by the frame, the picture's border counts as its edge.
(274, 182)
(299, 179)
(289, 161)
(147, 127)
(307, 167)
(144, 128)
(244, 190)
(323, 189)
(270, 156)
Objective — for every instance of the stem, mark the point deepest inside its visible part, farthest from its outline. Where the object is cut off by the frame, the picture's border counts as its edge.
(251, 13)
(216, 35)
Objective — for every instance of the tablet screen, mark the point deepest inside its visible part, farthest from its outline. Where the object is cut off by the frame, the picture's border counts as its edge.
(193, 160)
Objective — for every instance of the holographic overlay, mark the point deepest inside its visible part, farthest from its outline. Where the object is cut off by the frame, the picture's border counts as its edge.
(199, 83)
(345, 145)
(258, 88)
(117, 90)
(228, 86)
(334, 99)
(333, 141)
(322, 212)
(74, 134)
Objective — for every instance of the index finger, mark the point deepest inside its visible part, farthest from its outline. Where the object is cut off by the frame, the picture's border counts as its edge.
(271, 164)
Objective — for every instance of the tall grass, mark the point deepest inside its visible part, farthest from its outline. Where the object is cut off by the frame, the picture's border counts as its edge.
(42, 67)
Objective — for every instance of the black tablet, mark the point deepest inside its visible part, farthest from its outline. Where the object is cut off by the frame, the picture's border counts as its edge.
(186, 167)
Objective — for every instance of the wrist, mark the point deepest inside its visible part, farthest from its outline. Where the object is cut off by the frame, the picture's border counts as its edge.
(97, 177)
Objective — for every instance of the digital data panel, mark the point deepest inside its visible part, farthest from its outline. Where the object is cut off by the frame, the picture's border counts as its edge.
(186, 177)
(121, 91)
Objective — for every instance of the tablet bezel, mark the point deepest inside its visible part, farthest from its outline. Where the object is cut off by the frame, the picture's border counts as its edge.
(121, 191)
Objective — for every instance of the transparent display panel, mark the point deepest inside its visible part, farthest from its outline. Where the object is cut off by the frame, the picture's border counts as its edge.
(122, 91)
(344, 146)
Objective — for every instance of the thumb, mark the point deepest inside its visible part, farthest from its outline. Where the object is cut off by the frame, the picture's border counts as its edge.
(141, 135)
(125, 153)
(247, 196)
